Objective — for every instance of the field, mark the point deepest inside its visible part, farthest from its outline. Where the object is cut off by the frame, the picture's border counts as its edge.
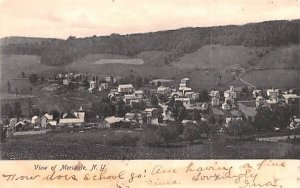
(92, 145)
(275, 67)
(120, 61)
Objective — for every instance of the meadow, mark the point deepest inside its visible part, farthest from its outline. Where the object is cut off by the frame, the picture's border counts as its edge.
(93, 145)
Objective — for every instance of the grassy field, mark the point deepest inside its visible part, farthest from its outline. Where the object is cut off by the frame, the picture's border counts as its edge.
(92, 145)
(280, 63)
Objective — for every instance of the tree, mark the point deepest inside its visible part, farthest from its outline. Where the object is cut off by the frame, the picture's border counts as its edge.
(220, 120)
(204, 97)
(191, 132)
(178, 111)
(33, 78)
(7, 111)
(154, 101)
(239, 127)
(56, 114)
(17, 110)
(8, 87)
(169, 134)
(281, 116)
(152, 136)
(263, 120)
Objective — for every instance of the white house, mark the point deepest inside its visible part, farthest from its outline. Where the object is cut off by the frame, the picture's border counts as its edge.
(215, 101)
(225, 106)
(215, 94)
(131, 97)
(45, 119)
(186, 81)
(290, 98)
(256, 93)
(72, 118)
(139, 94)
(111, 121)
(35, 120)
(163, 90)
(66, 82)
(163, 82)
(103, 86)
(134, 118)
(272, 93)
(125, 88)
(186, 121)
(260, 101)
(185, 101)
(230, 95)
(151, 116)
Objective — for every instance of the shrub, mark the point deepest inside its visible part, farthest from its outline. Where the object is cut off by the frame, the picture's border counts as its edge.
(152, 136)
(124, 140)
(191, 132)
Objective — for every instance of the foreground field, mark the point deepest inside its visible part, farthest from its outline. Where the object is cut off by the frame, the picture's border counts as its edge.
(93, 145)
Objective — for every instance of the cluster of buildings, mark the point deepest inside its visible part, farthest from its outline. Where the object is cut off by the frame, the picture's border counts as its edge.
(221, 104)
(74, 118)
(274, 97)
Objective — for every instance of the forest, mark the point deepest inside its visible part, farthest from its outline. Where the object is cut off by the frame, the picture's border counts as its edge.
(178, 42)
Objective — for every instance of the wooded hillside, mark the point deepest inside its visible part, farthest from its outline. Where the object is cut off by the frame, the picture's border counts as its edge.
(179, 42)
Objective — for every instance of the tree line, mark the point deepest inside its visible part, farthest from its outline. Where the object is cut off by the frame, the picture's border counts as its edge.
(180, 41)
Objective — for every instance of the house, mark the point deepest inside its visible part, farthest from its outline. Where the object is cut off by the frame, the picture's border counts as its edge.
(93, 86)
(128, 99)
(215, 94)
(23, 125)
(272, 93)
(52, 123)
(186, 81)
(60, 76)
(295, 123)
(186, 121)
(134, 118)
(215, 101)
(260, 102)
(162, 82)
(184, 89)
(185, 101)
(225, 106)
(73, 118)
(230, 95)
(35, 120)
(116, 79)
(66, 81)
(192, 95)
(103, 86)
(108, 79)
(229, 119)
(45, 119)
(176, 94)
(256, 93)
(272, 100)
(125, 88)
(151, 116)
(291, 98)
(111, 121)
(163, 90)
(139, 94)
(12, 122)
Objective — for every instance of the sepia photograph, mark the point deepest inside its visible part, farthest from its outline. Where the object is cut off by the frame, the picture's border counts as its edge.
(149, 80)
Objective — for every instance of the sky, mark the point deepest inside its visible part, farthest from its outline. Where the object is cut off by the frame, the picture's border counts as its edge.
(81, 18)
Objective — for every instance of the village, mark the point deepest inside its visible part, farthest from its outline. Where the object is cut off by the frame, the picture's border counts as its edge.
(135, 103)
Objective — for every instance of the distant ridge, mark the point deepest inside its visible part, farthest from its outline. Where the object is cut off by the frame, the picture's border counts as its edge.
(178, 42)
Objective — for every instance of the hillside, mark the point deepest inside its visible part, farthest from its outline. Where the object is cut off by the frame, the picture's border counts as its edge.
(177, 42)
